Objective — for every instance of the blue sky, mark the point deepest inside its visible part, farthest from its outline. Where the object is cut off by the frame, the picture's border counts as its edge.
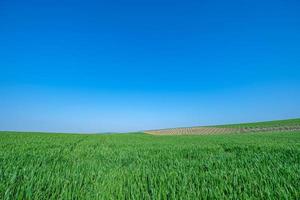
(97, 66)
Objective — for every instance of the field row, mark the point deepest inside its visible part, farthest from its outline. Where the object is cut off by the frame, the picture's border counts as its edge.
(192, 130)
(220, 130)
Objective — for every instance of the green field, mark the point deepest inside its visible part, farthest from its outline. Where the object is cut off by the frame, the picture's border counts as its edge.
(141, 166)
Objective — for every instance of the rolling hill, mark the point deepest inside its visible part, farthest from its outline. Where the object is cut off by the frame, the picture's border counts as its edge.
(277, 125)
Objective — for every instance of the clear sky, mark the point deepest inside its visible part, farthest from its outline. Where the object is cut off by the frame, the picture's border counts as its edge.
(97, 66)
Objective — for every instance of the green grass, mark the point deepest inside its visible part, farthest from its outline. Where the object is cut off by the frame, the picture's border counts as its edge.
(288, 122)
(140, 166)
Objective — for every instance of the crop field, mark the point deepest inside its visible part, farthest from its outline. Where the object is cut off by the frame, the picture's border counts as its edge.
(142, 166)
(279, 125)
(193, 131)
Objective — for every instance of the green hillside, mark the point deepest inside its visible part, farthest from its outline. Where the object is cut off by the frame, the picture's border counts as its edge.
(269, 126)
(288, 122)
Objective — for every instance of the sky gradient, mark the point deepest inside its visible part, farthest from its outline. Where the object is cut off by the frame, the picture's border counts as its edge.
(98, 66)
